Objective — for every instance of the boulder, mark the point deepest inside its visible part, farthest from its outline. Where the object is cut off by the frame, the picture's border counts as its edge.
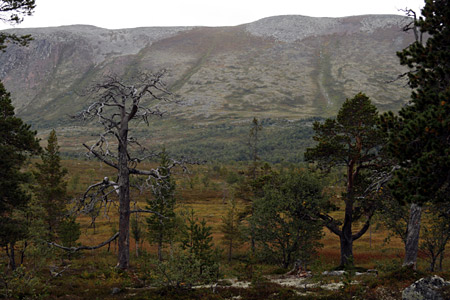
(429, 288)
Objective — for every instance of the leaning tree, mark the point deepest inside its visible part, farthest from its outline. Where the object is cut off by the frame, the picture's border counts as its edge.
(115, 105)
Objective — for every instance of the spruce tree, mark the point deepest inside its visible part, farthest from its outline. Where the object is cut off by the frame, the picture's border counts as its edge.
(162, 224)
(51, 186)
(17, 143)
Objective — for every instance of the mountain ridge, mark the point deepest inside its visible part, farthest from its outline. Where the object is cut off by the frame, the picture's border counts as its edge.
(281, 68)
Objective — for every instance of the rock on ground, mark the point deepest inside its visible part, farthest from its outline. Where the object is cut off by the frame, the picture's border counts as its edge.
(429, 288)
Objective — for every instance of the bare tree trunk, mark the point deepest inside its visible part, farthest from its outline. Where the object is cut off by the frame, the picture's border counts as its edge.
(412, 236)
(124, 201)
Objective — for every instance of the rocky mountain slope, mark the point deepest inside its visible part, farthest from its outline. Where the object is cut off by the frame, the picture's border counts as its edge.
(282, 68)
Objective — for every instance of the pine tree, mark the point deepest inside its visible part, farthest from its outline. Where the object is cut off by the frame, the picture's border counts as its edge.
(17, 143)
(419, 137)
(197, 240)
(351, 140)
(230, 227)
(285, 216)
(51, 186)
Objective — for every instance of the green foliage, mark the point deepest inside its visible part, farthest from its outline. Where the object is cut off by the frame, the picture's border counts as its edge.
(181, 270)
(197, 241)
(17, 143)
(193, 262)
(231, 228)
(69, 232)
(436, 234)
(353, 141)
(284, 219)
(12, 11)
(21, 284)
(51, 188)
(282, 140)
(162, 225)
(350, 138)
(392, 214)
(419, 137)
(136, 231)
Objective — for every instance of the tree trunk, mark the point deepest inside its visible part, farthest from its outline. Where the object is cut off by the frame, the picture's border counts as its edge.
(137, 248)
(124, 202)
(346, 250)
(412, 236)
(441, 258)
(12, 256)
(346, 238)
(433, 263)
(252, 230)
(230, 249)
(22, 253)
(160, 256)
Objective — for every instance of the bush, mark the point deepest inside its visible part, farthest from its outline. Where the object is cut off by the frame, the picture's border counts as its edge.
(21, 283)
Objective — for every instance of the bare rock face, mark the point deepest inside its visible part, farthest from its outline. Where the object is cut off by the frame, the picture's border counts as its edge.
(429, 288)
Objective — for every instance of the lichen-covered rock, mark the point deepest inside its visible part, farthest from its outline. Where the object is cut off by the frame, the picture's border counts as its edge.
(429, 288)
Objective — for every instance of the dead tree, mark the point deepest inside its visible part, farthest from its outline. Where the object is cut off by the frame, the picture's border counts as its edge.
(115, 104)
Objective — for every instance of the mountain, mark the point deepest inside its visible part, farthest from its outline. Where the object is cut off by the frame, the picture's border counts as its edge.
(285, 70)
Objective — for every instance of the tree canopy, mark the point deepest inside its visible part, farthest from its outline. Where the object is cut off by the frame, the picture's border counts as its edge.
(351, 140)
(17, 142)
(420, 136)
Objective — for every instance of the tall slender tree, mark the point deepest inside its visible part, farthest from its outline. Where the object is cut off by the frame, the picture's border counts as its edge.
(162, 224)
(51, 186)
(351, 140)
(17, 143)
(419, 137)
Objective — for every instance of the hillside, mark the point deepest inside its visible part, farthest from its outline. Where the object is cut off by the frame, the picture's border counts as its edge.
(286, 70)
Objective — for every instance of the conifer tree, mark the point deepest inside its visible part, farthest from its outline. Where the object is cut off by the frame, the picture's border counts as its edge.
(351, 140)
(51, 186)
(161, 225)
(17, 143)
(419, 137)
(230, 227)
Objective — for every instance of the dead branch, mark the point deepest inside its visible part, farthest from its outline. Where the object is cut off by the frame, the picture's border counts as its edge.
(75, 249)
(412, 25)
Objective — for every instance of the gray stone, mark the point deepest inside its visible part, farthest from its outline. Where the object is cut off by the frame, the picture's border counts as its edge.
(115, 290)
(333, 273)
(428, 288)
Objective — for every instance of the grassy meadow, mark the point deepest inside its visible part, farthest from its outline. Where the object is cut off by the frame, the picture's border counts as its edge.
(207, 190)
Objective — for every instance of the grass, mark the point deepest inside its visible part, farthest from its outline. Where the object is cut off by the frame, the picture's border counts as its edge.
(92, 275)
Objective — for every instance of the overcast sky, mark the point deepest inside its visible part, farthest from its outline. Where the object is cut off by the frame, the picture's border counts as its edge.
(114, 14)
